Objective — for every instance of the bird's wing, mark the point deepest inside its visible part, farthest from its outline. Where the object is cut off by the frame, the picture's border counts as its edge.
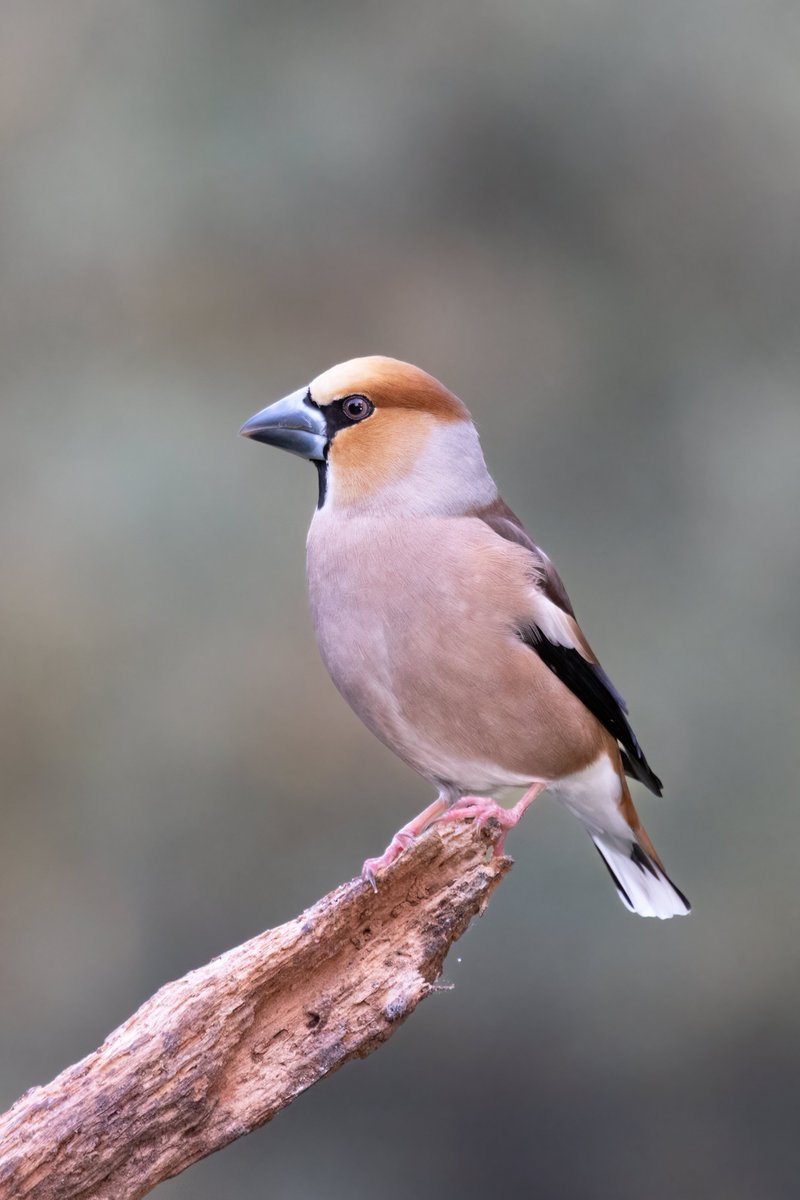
(553, 632)
(500, 518)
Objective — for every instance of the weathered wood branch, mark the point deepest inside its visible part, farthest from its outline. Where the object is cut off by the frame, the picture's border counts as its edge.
(217, 1053)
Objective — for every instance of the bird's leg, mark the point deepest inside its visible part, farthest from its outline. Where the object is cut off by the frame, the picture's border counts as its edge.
(404, 838)
(484, 810)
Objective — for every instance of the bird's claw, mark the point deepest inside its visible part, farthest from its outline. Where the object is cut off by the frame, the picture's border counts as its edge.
(400, 842)
(483, 812)
(368, 873)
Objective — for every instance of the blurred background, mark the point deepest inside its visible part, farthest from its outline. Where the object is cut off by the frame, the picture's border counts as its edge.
(585, 219)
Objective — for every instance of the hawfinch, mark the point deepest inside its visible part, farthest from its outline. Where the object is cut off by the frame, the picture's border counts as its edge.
(447, 629)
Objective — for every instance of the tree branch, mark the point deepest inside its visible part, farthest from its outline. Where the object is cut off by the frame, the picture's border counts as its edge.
(217, 1053)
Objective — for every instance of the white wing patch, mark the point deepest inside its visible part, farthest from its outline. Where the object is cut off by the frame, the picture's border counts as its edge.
(557, 626)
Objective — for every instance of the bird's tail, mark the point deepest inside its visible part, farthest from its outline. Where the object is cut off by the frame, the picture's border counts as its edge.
(600, 798)
(644, 886)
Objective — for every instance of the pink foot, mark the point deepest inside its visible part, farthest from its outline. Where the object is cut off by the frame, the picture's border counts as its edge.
(400, 842)
(483, 810)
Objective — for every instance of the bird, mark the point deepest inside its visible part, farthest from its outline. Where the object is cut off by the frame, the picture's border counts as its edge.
(448, 630)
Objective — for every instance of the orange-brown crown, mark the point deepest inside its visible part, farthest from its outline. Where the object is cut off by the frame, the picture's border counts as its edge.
(388, 383)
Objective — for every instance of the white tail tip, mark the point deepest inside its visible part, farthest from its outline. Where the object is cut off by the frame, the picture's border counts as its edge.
(643, 886)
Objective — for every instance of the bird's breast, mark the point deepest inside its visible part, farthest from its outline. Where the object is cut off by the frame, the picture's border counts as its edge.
(415, 620)
(373, 594)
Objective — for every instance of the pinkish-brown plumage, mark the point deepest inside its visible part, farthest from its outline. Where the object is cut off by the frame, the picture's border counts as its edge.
(444, 625)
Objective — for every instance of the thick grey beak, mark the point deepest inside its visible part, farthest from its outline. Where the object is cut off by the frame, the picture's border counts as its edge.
(293, 424)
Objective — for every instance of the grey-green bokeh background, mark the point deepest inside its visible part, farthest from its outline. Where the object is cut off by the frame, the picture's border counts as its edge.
(585, 218)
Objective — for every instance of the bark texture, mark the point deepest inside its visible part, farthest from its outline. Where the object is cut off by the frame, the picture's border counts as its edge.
(217, 1053)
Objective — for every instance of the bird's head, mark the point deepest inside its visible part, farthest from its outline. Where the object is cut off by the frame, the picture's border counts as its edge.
(384, 435)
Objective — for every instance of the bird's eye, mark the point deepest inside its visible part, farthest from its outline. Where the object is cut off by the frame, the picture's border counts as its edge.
(356, 408)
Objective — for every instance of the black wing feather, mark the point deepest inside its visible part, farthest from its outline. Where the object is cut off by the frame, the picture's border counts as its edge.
(593, 688)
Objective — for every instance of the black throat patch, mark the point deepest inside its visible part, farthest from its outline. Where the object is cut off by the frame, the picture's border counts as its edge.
(322, 478)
